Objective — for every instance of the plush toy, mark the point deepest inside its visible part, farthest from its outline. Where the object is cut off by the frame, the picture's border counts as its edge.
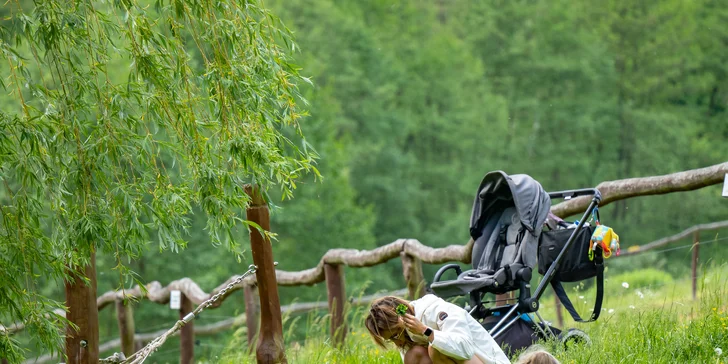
(606, 239)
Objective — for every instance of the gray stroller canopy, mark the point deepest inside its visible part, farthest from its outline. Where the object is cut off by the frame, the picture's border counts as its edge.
(499, 190)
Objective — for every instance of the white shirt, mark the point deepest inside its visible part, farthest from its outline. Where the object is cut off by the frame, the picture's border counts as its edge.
(457, 334)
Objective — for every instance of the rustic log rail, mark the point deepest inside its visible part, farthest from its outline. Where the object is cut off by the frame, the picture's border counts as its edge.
(644, 186)
(155, 292)
(637, 249)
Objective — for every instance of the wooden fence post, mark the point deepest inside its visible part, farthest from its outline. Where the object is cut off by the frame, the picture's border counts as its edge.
(252, 313)
(125, 318)
(412, 270)
(502, 299)
(696, 249)
(82, 345)
(334, 274)
(559, 313)
(187, 333)
(270, 338)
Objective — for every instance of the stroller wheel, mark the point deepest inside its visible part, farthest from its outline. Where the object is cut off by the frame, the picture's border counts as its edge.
(573, 337)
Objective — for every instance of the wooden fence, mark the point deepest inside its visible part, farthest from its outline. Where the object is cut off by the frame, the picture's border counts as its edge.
(330, 269)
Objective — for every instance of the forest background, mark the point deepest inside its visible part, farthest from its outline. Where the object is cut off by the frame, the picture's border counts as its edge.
(413, 102)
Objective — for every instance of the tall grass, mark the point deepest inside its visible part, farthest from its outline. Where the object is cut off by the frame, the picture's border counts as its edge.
(658, 324)
(649, 319)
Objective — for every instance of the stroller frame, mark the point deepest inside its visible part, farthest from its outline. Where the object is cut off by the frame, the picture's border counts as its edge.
(527, 303)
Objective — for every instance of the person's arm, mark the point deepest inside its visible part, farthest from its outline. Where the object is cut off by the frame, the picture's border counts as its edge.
(453, 338)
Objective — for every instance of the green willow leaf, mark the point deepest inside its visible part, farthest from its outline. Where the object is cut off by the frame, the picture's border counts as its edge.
(124, 121)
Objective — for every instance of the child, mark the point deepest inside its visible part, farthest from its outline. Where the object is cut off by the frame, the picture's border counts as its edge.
(535, 355)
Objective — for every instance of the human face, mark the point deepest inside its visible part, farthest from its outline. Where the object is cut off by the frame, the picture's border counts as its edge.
(398, 337)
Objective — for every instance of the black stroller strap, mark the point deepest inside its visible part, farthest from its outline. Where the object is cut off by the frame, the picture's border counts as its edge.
(561, 293)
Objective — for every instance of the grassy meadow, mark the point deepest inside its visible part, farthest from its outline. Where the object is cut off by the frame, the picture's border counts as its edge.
(647, 317)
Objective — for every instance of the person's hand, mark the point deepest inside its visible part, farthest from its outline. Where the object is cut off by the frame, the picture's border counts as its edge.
(413, 324)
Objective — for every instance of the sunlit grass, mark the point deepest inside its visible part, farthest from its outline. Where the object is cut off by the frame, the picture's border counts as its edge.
(652, 319)
(658, 323)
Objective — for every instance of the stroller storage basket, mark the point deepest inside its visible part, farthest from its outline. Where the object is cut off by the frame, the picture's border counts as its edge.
(575, 265)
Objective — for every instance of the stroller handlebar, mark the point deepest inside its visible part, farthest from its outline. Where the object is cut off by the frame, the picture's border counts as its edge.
(568, 194)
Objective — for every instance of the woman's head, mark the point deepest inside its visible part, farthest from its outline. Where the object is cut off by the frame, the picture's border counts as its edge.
(384, 324)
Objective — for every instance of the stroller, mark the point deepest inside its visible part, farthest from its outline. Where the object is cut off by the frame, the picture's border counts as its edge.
(510, 228)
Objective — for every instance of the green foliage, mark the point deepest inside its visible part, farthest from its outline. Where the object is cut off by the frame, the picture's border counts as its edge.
(565, 93)
(122, 120)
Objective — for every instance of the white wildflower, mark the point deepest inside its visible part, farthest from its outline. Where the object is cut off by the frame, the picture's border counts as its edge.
(631, 306)
(639, 293)
(718, 351)
(581, 297)
(611, 310)
(625, 284)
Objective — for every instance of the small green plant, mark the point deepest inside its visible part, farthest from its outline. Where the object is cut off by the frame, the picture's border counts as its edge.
(401, 309)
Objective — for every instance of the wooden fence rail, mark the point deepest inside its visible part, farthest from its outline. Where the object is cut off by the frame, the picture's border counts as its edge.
(637, 249)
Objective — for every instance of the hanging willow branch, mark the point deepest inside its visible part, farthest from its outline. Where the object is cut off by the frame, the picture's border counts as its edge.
(121, 119)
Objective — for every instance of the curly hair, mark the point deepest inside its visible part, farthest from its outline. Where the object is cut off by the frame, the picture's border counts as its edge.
(383, 316)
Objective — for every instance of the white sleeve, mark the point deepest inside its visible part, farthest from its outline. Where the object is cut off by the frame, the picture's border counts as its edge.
(454, 339)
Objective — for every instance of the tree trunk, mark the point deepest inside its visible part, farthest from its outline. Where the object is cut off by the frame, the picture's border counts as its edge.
(82, 344)
(270, 339)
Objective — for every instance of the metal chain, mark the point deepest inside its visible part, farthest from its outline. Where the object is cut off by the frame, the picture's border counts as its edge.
(152, 347)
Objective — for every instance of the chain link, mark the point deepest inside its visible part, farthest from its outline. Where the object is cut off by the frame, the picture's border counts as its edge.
(152, 347)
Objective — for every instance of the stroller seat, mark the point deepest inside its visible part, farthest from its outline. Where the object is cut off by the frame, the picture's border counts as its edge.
(505, 226)
(500, 257)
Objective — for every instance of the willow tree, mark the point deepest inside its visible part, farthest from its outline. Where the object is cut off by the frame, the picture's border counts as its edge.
(120, 118)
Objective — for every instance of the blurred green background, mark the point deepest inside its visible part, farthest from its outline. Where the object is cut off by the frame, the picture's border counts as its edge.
(413, 102)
